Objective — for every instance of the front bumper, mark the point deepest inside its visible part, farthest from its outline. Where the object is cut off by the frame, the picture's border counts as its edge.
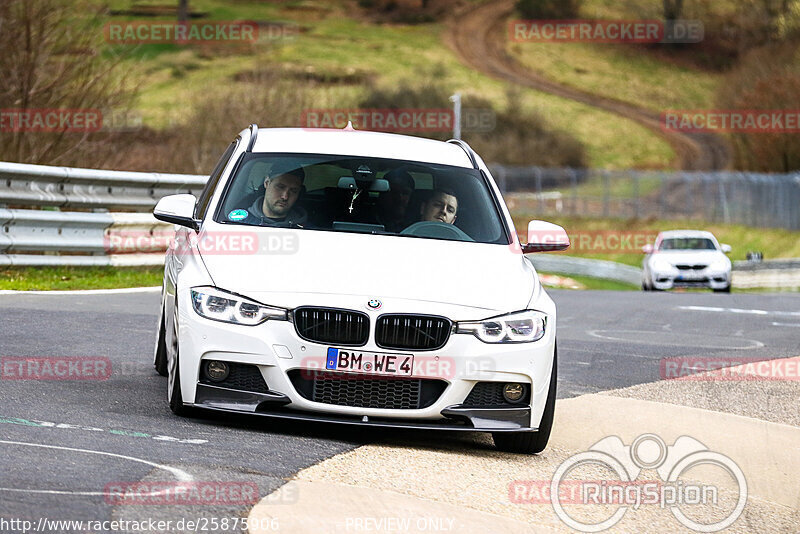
(273, 404)
(275, 349)
(701, 279)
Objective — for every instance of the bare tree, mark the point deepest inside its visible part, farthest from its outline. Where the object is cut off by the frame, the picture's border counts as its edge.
(50, 59)
(183, 11)
(673, 9)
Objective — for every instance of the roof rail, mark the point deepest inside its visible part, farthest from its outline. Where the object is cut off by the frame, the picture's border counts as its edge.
(468, 149)
(253, 135)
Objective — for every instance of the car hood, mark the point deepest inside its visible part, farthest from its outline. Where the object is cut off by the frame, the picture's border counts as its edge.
(699, 257)
(314, 266)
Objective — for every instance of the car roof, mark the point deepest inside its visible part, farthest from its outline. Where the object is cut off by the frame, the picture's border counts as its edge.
(686, 233)
(360, 143)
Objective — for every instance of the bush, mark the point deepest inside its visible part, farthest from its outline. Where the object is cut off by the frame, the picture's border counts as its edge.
(548, 9)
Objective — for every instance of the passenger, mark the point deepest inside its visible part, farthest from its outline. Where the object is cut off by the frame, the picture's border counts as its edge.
(441, 206)
(393, 204)
(277, 206)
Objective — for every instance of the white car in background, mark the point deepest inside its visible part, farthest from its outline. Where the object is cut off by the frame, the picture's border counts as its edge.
(686, 258)
(344, 311)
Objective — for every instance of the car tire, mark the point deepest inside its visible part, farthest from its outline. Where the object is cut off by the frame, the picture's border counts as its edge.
(726, 289)
(174, 386)
(160, 361)
(645, 287)
(532, 442)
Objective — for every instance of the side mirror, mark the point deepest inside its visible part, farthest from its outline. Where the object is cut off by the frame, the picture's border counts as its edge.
(177, 209)
(545, 237)
(725, 248)
(648, 249)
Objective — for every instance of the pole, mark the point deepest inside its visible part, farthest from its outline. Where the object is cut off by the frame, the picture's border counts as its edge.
(456, 100)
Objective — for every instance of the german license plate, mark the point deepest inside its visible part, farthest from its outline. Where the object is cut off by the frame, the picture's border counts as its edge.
(369, 362)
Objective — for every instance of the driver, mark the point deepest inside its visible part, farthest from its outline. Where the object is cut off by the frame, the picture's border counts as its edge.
(441, 206)
(277, 206)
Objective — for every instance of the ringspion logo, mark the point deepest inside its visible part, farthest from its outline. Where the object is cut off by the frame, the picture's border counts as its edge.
(676, 490)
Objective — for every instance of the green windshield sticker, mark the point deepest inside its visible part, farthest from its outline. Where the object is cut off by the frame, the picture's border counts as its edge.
(238, 215)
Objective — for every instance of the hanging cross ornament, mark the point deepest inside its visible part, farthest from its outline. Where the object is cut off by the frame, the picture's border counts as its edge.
(352, 200)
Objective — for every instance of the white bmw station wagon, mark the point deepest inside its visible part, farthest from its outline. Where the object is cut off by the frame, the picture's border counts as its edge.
(359, 278)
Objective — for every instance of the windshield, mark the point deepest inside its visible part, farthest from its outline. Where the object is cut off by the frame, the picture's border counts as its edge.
(358, 194)
(688, 243)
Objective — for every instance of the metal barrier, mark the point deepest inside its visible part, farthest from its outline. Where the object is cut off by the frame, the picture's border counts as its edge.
(34, 237)
(63, 187)
(607, 270)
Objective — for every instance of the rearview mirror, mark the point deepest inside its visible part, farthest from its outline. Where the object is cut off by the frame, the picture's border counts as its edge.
(545, 237)
(177, 209)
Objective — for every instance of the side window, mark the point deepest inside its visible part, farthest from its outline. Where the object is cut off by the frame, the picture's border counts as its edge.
(208, 191)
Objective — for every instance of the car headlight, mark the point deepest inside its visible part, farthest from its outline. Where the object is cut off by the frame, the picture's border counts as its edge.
(218, 305)
(719, 265)
(519, 327)
(662, 265)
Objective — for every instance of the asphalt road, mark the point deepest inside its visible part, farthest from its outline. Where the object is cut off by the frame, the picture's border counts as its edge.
(62, 443)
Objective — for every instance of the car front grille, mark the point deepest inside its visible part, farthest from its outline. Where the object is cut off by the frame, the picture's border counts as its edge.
(412, 332)
(241, 376)
(360, 391)
(331, 325)
(490, 395)
(684, 267)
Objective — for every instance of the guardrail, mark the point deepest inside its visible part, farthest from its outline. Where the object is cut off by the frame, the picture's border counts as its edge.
(63, 187)
(100, 238)
(607, 270)
(39, 237)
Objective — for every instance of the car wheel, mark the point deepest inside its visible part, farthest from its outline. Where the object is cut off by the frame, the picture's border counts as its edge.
(645, 287)
(160, 362)
(726, 289)
(174, 383)
(532, 442)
